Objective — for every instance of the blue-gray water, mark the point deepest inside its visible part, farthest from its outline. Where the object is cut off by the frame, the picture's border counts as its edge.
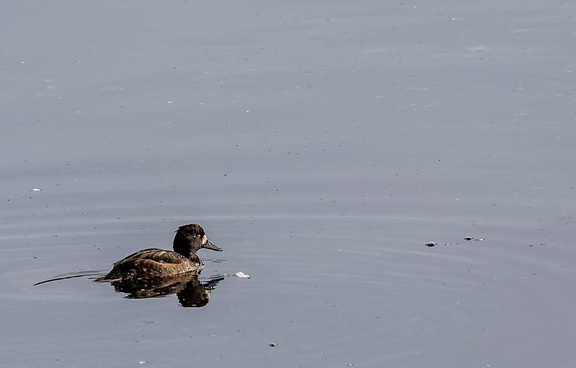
(322, 145)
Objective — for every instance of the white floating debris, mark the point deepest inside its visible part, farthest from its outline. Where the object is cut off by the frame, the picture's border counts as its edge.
(242, 275)
(35, 190)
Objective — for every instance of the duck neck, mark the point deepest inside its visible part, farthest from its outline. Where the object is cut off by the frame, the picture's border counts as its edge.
(181, 245)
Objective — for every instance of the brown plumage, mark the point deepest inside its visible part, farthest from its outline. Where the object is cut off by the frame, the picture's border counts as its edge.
(159, 263)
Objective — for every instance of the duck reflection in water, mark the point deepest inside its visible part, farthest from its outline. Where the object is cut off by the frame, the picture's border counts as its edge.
(156, 272)
(190, 291)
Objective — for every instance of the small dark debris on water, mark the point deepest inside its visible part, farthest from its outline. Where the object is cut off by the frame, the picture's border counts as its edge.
(273, 344)
(467, 238)
(470, 238)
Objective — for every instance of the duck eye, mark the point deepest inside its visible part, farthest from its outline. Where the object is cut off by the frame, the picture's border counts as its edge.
(199, 236)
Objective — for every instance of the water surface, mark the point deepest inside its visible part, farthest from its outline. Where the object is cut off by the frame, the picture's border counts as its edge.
(322, 146)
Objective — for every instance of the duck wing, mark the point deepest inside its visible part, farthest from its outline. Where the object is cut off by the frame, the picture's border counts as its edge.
(155, 255)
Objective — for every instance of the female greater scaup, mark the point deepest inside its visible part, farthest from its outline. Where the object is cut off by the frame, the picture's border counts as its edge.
(158, 263)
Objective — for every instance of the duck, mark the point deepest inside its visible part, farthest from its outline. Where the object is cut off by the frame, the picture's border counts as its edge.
(154, 263)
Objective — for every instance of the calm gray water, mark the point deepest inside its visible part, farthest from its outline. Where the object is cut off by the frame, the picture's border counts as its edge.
(322, 145)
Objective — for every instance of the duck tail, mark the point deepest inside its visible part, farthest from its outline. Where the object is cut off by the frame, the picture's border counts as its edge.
(106, 279)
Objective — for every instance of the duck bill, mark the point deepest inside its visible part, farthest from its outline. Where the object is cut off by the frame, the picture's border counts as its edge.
(210, 245)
